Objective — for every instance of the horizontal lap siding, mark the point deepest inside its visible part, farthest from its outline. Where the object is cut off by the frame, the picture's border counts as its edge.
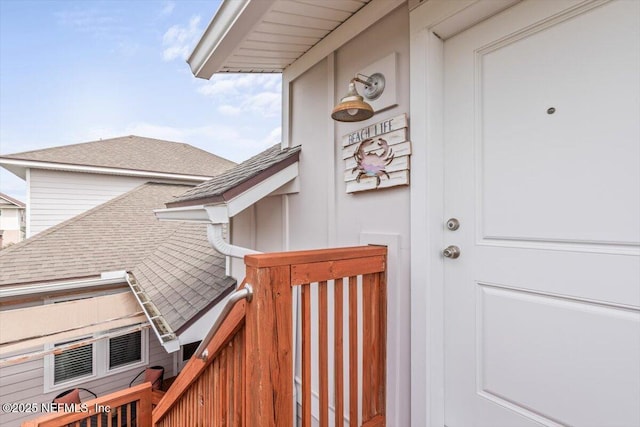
(56, 196)
(24, 382)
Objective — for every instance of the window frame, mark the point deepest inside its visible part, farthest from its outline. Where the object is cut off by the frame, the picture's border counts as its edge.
(49, 371)
(144, 354)
(101, 369)
(100, 350)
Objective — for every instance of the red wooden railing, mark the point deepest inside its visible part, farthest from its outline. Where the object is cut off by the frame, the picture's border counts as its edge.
(129, 407)
(210, 391)
(270, 358)
(247, 378)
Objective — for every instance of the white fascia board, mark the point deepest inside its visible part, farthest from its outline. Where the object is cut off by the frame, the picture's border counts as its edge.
(101, 170)
(233, 21)
(360, 21)
(188, 213)
(107, 279)
(262, 189)
(220, 213)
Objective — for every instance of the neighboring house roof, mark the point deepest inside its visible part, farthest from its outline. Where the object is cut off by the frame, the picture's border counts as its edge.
(122, 155)
(233, 182)
(11, 201)
(184, 276)
(116, 235)
(268, 35)
(179, 272)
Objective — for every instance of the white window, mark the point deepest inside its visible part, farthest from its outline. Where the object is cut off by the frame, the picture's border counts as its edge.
(77, 365)
(125, 350)
(74, 363)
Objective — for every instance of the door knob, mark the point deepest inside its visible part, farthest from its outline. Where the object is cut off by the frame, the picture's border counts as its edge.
(451, 252)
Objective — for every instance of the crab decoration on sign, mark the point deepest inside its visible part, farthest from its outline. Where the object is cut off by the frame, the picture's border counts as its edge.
(372, 163)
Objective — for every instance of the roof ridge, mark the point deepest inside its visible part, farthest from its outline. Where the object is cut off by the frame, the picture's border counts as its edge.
(262, 164)
(80, 216)
(86, 142)
(12, 200)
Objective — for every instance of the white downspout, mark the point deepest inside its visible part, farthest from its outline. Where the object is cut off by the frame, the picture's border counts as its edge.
(216, 239)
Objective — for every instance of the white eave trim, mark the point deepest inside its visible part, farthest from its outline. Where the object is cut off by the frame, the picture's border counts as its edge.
(109, 278)
(189, 214)
(220, 213)
(101, 170)
(228, 28)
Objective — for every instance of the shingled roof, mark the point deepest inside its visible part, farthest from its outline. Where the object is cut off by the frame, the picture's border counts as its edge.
(116, 235)
(184, 276)
(172, 261)
(132, 153)
(229, 184)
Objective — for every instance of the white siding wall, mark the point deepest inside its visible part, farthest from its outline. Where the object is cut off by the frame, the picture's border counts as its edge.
(322, 214)
(24, 382)
(9, 219)
(10, 225)
(56, 196)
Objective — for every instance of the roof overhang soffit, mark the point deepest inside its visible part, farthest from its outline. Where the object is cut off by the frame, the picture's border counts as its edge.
(229, 26)
(220, 212)
(235, 22)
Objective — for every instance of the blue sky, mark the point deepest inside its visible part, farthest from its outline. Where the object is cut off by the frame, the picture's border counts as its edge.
(77, 71)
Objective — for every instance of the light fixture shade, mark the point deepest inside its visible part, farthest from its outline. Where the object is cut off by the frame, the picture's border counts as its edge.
(352, 107)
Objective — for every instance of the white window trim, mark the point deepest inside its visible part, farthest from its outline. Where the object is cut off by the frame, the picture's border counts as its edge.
(100, 353)
(100, 363)
(144, 354)
(49, 370)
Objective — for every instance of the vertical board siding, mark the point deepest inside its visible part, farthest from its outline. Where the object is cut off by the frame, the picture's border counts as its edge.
(56, 196)
(215, 398)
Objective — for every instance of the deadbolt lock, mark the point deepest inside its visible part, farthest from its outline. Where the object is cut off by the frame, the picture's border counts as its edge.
(453, 224)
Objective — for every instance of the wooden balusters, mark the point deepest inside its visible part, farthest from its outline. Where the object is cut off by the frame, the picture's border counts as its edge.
(338, 326)
(353, 350)
(306, 355)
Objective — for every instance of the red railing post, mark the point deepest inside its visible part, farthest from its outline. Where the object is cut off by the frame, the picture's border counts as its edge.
(269, 361)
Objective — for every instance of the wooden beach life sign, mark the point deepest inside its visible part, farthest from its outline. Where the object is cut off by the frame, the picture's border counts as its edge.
(377, 156)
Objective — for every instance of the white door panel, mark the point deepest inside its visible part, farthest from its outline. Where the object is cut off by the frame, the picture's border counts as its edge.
(542, 308)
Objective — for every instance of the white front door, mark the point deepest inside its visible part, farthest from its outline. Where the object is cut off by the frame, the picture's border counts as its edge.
(542, 170)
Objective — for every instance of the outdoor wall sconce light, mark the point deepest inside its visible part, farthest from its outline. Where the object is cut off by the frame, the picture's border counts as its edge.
(353, 108)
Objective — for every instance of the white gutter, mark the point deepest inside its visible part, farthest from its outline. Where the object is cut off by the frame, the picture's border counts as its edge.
(163, 331)
(215, 216)
(188, 214)
(216, 239)
(108, 278)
